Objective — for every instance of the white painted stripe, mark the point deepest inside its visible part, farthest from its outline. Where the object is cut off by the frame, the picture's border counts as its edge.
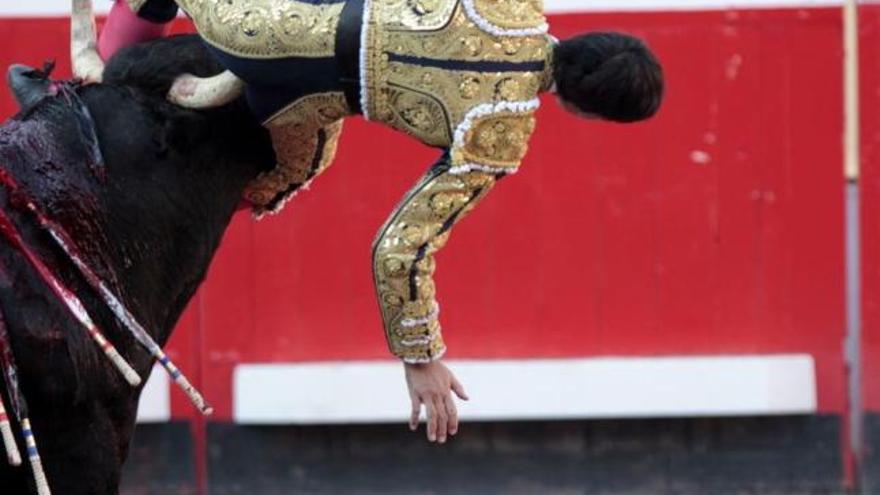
(45, 8)
(54, 8)
(155, 405)
(374, 392)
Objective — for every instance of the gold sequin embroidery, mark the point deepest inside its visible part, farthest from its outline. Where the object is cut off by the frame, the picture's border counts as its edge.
(417, 15)
(266, 29)
(418, 114)
(461, 39)
(496, 140)
(417, 229)
(295, 137)
(428, 102)
(511, 14)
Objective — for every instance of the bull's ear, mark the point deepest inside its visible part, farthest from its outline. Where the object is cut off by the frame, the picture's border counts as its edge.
(28, 85)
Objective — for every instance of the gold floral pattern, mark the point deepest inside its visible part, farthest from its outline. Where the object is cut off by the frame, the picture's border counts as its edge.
(413, 98)
(496, 140)
(266, 29)
(511, 14)
(295, 136)
(417, 15)
(418, 114)
(460, 39)
(403, 259)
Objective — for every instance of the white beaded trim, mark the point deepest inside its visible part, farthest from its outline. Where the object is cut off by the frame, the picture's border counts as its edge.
(490, 109)
(417, 341)
(365, 32)
(490, 28)
(437, 356)
(484, 110)
(416, 322)
(471, 167)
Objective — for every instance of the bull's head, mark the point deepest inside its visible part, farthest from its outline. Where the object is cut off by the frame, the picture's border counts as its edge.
(188, 90)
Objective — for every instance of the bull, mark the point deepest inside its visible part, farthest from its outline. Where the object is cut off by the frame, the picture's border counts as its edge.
(147, 189)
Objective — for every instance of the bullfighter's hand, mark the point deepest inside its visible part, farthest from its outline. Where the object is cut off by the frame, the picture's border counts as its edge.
(432, 384)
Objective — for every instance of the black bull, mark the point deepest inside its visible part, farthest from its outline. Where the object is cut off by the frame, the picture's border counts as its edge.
(151, 216)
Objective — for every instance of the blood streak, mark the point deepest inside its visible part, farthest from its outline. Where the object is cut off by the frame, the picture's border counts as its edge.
(70, 300)
(65, 242)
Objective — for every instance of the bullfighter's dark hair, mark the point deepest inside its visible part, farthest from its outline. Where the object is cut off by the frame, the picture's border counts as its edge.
(609, 75)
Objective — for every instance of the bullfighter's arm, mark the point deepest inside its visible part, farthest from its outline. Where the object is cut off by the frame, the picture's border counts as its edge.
(135, 21)
(403, 257)
(486, 148)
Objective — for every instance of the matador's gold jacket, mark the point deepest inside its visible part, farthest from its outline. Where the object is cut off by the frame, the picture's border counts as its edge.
(461, 75)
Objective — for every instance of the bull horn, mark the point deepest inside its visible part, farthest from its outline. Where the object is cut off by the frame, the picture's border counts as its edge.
(194, 92)
(87, 64)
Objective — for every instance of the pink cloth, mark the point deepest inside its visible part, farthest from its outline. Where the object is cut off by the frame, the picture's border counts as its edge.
(124, 28)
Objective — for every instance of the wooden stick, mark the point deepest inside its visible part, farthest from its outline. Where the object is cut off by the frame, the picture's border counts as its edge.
(852, 110)
(12, 453)
(19, 405)
(122, 313)
(34, 458)
(70, 300)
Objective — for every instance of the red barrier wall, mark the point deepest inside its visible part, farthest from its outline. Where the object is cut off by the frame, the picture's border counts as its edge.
(714, 229)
